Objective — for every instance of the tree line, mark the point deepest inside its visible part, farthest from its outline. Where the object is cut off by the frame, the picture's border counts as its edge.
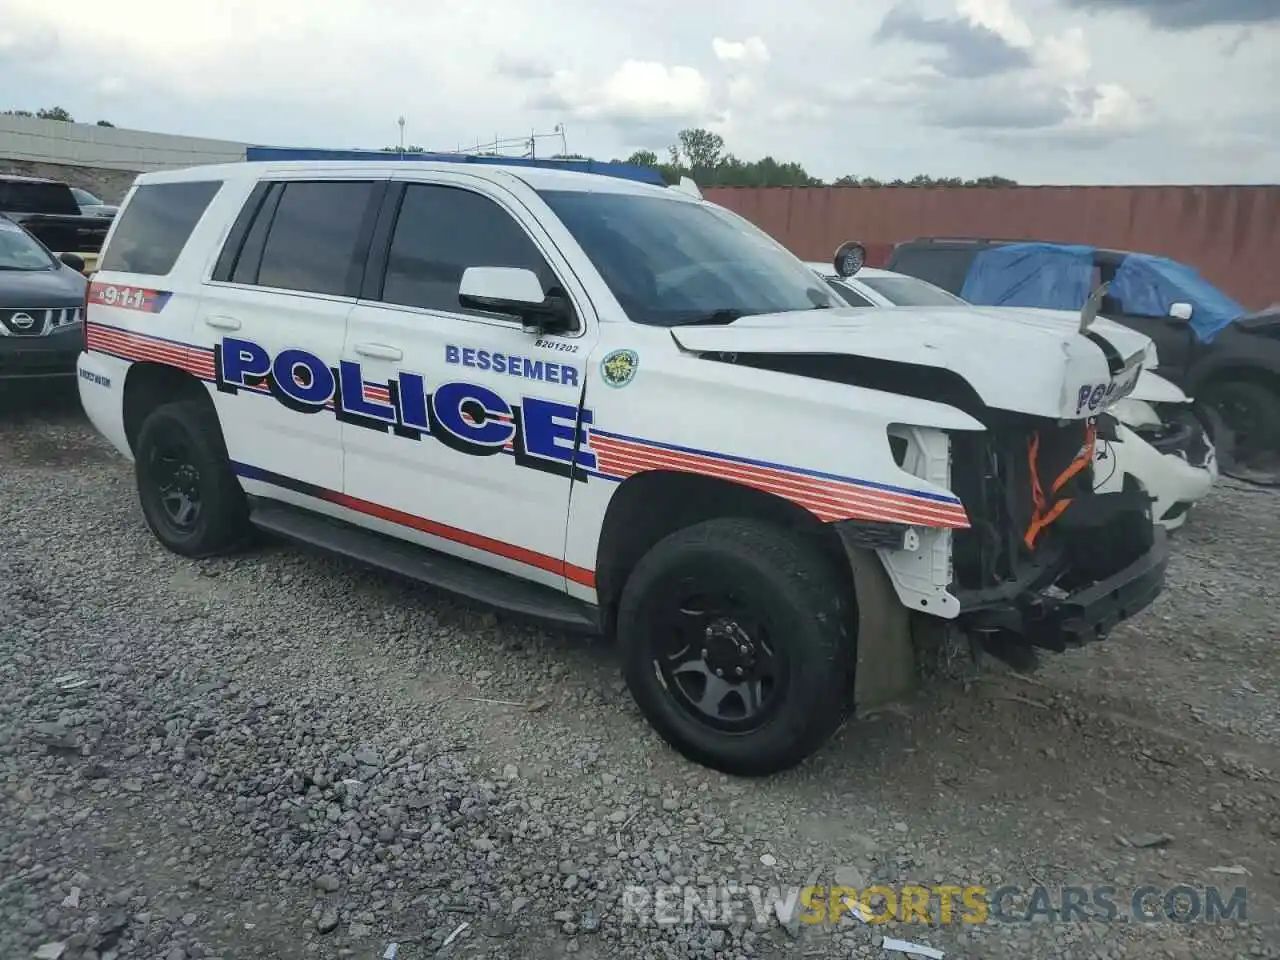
(50, 113)
(700, 154)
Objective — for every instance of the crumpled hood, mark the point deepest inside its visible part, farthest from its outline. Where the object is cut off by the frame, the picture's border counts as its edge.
(1022, 360)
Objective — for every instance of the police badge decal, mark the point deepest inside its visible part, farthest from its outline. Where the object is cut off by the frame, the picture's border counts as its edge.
(618, 368)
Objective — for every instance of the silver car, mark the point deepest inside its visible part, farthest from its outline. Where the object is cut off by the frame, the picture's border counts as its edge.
(91, 206)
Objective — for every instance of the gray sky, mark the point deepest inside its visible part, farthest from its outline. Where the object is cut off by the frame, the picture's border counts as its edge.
(1044, 91)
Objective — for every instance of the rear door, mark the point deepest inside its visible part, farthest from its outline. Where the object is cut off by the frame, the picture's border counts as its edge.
(273, 319)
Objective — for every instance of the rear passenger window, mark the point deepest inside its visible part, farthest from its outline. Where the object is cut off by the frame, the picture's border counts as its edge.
(440, 231)
(312, 243)
(155, 224)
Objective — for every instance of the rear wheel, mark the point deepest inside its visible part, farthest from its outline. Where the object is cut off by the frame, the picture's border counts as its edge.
(190, 498)
(1243, 417)
(734, 645)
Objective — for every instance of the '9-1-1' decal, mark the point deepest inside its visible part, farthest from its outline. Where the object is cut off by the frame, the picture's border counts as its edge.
(467, 417)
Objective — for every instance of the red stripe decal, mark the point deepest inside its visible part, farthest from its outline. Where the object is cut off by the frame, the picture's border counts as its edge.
(508, 551)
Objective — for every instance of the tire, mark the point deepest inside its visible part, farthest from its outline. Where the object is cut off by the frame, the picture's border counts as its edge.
(794, 619)
(1258, 459)
(188, 431)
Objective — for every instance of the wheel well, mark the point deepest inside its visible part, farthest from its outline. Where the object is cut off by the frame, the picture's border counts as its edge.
(1236, 374)
(653, 505)
(150, 384)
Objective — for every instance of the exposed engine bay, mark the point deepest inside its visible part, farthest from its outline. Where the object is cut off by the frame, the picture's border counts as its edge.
(1039, 533)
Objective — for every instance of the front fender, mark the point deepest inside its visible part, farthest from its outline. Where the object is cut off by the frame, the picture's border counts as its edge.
(822, 445)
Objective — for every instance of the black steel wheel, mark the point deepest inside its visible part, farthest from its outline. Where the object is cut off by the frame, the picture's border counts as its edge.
(190, 498)
(1243, 417)
(177, 485)
(716, 650)
(734, 645)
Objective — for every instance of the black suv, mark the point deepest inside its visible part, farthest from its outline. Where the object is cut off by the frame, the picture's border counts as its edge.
(49, 210)
(1226, 358)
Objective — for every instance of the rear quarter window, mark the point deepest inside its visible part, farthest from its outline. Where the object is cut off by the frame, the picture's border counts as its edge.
(155, 225)
(37, 196)
(945, 267)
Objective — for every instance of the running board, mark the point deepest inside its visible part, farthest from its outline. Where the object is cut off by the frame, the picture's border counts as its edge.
(450, 574)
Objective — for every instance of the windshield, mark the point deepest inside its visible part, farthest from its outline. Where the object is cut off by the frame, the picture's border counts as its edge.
(84, 196)
(910, 292)
(18, 251)
(671, 262)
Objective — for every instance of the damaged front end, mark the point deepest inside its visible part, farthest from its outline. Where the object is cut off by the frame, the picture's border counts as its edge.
(1047, 562)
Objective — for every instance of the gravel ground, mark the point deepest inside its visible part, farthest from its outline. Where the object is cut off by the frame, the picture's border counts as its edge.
(283, 755)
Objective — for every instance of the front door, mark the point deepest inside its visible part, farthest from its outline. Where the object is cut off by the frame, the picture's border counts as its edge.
(460, 427)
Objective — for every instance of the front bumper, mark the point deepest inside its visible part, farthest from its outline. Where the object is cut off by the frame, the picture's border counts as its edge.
(40, 358)
(1176, 466)
(1043, 616)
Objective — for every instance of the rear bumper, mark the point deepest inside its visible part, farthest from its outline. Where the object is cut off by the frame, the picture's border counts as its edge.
(41, 358)
(1054, 619)
(101, 381)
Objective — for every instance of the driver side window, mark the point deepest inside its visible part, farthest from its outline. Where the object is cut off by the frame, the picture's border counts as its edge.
(439, 232)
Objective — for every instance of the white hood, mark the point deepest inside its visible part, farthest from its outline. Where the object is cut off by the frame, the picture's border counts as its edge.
(1027, 361)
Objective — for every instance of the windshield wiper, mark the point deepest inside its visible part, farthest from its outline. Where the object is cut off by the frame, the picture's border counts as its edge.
(725, 316)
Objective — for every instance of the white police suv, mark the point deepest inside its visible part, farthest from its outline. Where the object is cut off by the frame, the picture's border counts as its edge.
(617, 407)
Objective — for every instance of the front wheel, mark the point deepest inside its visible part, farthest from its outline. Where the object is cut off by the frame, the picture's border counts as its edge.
(1243, 417)
(190, 498)
(734, 645)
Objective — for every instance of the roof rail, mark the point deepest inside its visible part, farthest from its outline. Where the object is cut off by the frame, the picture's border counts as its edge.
(962, 239)
(623, 171)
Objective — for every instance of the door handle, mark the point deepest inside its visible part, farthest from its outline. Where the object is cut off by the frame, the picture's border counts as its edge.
(379, 351)
(223, 323)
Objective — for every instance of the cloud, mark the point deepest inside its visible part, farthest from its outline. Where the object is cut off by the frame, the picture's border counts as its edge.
(751, 51)
(644, 96)
(520, 67)
(969, 48)
(1057, 94)
(638, 90)
(1188, 14)
(112, 86)
(1041, 110)
(1243, 36)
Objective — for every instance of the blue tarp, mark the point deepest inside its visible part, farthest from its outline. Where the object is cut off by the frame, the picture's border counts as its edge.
(1061, 276)
(1047, 275)
(625, 171)
(1148, 286)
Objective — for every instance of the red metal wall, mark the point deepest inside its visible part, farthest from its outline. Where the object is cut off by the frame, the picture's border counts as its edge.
(1230, 234)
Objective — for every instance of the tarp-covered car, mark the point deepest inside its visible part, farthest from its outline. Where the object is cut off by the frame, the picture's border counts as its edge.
(1225, 357)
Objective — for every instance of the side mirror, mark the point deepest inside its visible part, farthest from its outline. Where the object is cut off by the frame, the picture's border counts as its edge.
(850, 257)
(1180, 311)
(73, 260)
(517, 292)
